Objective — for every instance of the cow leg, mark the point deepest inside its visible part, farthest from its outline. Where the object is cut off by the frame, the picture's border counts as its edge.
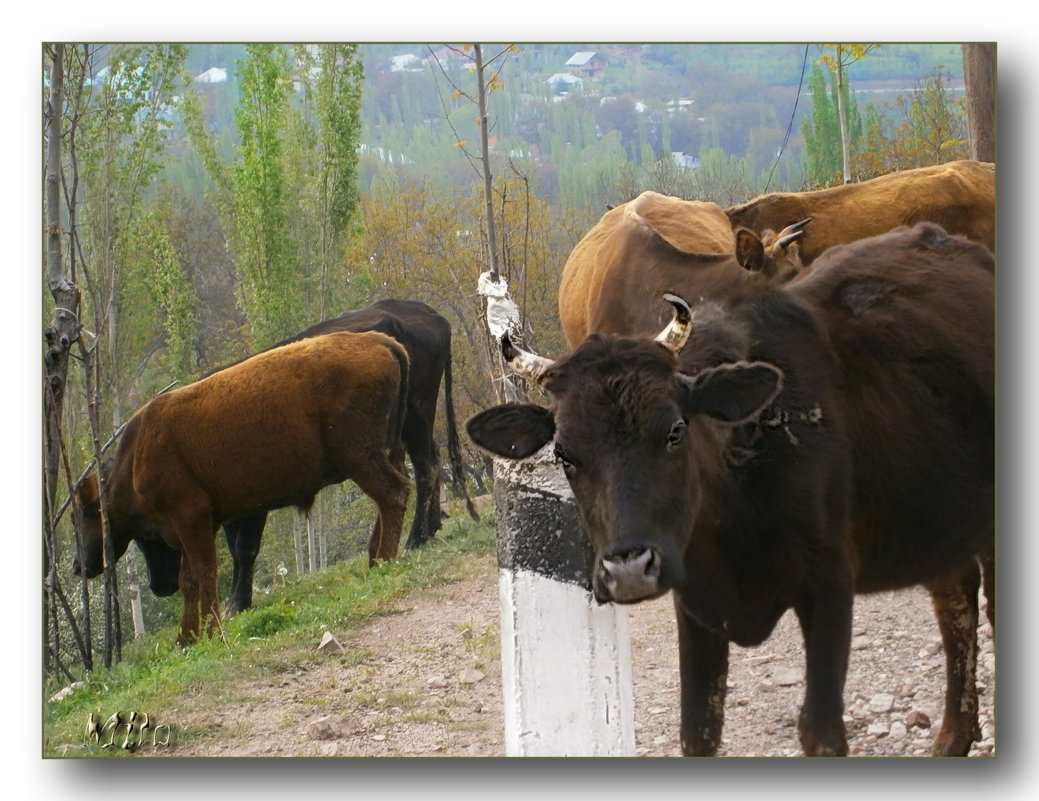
(825, 617)
(424, 459)
(388, 487)
(955, 600)
(197, 536)
(189, 619)
(703, 659)
(243, 541)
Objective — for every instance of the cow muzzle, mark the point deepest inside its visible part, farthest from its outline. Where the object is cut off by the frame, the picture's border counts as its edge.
(628, 576)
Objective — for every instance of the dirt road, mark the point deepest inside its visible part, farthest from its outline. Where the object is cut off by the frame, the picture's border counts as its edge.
(428, 683)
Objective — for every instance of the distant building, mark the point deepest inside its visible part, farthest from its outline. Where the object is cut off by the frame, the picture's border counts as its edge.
(408, 62)
(212, 75)
(564, 82)
(685, 161)
(586, 64)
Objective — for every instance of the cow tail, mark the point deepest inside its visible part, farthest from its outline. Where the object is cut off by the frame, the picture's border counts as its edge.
(454, 448)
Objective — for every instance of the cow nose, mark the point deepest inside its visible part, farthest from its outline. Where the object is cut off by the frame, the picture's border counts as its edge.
(630, 575)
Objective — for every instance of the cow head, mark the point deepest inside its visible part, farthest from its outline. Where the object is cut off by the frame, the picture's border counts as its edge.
(630, 434)
(773, 255)
(163, 561)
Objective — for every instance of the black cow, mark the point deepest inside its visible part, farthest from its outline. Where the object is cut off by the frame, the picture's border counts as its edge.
(426, 336)
(799, 445)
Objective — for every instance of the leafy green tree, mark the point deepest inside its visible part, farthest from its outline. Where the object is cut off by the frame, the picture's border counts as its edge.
(929, 126)
(160, 305)
(821, 130)
(844, 56)
(325, 128)
(272, 287)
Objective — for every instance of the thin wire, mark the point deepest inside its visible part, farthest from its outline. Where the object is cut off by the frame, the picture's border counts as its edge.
(790, 125)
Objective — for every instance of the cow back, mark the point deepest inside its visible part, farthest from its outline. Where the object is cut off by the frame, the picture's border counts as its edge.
(272, 430)
(960, 196)
(614, 277)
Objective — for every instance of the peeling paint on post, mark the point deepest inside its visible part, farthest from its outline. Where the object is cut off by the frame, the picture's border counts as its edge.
(566, 660)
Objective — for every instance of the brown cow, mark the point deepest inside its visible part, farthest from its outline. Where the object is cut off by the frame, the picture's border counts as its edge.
(614, 278)
(788, 448)
(266, 433)
(959, 196)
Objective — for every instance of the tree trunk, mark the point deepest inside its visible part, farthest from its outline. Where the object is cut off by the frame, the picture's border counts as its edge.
(842, 115)
(485, 158)
(64, 328)
(979, 75)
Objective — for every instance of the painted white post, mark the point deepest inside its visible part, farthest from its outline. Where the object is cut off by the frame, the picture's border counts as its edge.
(566, 660)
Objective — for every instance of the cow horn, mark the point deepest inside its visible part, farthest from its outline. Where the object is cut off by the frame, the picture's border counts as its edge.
(681, 326)
(524, 364)
(797, 227)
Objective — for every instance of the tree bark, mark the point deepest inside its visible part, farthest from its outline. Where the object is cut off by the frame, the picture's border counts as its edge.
(842, 115)
(485, 159)
(979, 75)
(64, 328)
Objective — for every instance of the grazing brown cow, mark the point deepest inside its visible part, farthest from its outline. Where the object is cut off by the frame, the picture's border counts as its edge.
(614, 278)
(960, 196)
(263, 434)
(788, 448)
(426, 336)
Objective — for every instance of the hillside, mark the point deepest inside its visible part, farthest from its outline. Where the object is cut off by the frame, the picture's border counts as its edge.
(643, 101)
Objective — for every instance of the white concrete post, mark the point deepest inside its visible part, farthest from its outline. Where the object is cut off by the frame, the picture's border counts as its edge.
(566, 660)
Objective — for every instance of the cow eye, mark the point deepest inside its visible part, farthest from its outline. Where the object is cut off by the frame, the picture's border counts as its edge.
(676, 436)
(564, 459)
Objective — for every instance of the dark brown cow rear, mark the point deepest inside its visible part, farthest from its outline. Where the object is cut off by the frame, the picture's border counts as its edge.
(266, 433)
(832, 436)
(960, 196)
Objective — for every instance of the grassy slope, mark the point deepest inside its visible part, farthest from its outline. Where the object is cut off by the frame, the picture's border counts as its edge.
(154, 672)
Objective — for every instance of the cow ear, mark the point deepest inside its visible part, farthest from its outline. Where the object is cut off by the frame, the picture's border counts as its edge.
(512, 430)
(750, 253)
(732, 393)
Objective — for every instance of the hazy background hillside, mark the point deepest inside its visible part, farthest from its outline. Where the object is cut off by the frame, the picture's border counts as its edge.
(740, 102)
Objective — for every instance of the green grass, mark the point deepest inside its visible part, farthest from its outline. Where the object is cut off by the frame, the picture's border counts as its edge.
(276, 636)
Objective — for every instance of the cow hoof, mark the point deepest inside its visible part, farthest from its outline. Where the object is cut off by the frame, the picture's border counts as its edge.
(951, 747)
(834, 745)
(700, 746)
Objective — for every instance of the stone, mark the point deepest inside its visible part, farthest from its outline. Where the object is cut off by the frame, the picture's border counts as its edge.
(471, 676)
(786, 676)
(332, 727)
(918, 719)
(330, 645)
(878, 728)
(881, 703)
